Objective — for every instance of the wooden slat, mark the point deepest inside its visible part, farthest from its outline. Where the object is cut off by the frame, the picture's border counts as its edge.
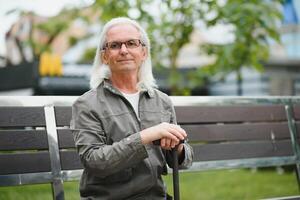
(297, 129)
(236, 132)
(23, 140)
(63, 115)
(24, 163)
(194, 114)
(207, 114)
(65, 138)
(209, 152)
(70, 160)
(296, 109)
(22, 116)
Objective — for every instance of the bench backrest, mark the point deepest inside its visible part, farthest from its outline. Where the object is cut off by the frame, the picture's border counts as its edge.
(238, 136)
(24, 143)
(230, 136)
(28, 142)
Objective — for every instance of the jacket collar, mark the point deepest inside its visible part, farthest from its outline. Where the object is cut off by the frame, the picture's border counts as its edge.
(107, 85)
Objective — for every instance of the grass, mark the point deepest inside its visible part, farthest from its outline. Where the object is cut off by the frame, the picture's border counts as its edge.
(235, 184)
(210, 185)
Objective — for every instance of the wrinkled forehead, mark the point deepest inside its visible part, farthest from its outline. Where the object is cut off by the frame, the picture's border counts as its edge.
(121, 32)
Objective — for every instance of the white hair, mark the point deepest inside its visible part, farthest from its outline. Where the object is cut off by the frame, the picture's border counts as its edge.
(100, 71)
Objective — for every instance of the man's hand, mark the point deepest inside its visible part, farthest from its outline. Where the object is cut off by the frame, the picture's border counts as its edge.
(167, 143)
(170, 134)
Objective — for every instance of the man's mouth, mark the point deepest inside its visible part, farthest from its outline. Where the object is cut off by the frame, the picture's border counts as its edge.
(125, 60)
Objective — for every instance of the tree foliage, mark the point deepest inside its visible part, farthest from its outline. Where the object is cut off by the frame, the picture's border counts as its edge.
(51, 28)
(170, 29)
(254, 24)
(170, 24)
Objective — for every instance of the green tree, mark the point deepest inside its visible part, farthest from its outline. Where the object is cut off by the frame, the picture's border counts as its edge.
(254, 23)
(111, 8)
(51, 28)
(60, 23)
(171, 27)
(170, 24)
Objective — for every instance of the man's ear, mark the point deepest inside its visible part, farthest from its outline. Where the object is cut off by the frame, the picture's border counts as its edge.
(145, 53)
(104, 58)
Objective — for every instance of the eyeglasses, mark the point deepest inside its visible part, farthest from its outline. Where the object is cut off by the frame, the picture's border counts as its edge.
(130, 44)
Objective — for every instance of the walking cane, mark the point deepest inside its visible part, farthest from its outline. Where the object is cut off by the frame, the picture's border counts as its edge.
(175, 174)
(175, 170)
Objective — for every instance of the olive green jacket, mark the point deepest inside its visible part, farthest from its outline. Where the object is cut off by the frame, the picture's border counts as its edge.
(106, 132)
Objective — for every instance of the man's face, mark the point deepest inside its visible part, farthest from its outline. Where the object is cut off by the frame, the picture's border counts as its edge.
(127, 58)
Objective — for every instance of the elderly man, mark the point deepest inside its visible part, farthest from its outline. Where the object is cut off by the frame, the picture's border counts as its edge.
(116, 122)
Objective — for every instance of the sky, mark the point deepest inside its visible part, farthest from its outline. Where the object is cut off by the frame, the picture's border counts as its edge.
(40, 7)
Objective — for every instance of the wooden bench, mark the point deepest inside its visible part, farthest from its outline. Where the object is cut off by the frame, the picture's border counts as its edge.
(36, 144)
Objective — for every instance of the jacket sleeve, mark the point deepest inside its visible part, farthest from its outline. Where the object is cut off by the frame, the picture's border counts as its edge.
(185, 160)
(91, 143)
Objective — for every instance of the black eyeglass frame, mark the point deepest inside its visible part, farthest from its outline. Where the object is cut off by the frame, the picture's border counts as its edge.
(106, 46)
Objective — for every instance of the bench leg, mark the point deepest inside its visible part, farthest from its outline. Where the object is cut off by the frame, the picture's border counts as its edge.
(57, 190)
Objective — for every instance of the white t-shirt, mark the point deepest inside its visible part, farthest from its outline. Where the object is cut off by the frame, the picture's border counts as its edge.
(134, 101)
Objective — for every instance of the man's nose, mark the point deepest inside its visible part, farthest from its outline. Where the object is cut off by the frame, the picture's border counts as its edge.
(123, 49)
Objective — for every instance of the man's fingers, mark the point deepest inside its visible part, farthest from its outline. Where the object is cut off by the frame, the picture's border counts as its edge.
(171, 136)
(163, 142)
(178, 129)
(168, 142)
(179, 134)
(173, 144)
